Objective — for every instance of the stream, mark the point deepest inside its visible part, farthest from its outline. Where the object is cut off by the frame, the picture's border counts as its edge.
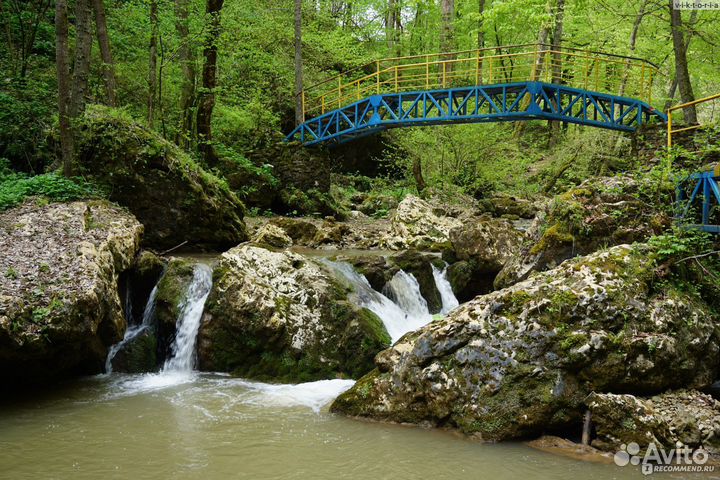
(208, 426)
(180, 423)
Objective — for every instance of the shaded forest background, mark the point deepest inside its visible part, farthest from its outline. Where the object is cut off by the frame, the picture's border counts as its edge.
(219, 79)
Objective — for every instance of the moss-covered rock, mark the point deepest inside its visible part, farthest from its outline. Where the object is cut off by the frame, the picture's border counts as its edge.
(138, 355)
(60, 308)
(280, 316)
(601, 212)
(137, 284)
(522, 360)
(172, 289)
(375, 268)
(172, 196)
(273, 236)
(302, 232)
(482, 246)
(417, 224)
(687, 417)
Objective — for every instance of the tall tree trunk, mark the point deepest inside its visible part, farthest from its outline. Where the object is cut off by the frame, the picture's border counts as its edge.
(447, 37)
(392, 26)
(299, 110)
(417, 173)
(152, 71)
(633, 43)
(108, 67)
(480, 39)
(62, 63)
(187, 63)
(206, 99)
(681, 67)
(543, 37)
(83, 50)
(559, 13)
(481, 25)
(673, 86)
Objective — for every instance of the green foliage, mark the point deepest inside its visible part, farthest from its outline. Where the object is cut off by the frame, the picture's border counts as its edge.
(681, 243)
(15, 187)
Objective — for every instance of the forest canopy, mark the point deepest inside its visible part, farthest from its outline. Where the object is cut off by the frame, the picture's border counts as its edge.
(220, 78)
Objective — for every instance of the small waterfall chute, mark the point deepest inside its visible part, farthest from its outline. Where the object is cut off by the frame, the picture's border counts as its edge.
(134, 330)
(449, 301)
(188, 323)
(404, 290)
(396, 320)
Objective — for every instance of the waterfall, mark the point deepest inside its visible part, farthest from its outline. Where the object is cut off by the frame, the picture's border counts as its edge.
(404, 290)
(133, 330)
(449, 301)
(188, 324)
(397, 321)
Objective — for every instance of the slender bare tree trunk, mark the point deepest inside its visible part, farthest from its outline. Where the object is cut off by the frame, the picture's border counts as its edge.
(108, 67)
(559, 14)
(393, 24)
(673, 86)
(62, 63)
(633, 42)
(447, 37)
(299, 109)
(83, 50)
(152, 70)
(681, 67)
(480, 38)
(187, 63)
(206, 98)
(417, 173)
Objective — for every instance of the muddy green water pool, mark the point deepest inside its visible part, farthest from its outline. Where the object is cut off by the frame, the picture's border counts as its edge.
(204, 426)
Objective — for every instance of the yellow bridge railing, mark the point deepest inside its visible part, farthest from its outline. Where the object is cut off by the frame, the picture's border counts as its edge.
(596, 71)
(709, 113)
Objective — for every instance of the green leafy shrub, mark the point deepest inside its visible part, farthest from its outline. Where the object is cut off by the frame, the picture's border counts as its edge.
(15, 187)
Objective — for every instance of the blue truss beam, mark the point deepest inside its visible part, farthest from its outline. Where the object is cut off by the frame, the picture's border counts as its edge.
(483, 103)
(698, 198)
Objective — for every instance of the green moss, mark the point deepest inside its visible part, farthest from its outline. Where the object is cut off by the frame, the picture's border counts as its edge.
(554, 236)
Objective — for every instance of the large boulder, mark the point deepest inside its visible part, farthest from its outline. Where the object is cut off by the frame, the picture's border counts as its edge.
(522, 360)
(59, 304)
(482, 245)
(281, 316)
(687, 417)
(172, 196)
(601, 212)
(416, 224)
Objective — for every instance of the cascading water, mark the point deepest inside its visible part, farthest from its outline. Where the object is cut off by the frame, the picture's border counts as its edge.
(133, 330)
(397, 321)
(447, 296)
(188, 324)
(404, 290)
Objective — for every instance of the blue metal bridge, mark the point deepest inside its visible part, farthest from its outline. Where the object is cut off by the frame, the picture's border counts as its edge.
(525, 82)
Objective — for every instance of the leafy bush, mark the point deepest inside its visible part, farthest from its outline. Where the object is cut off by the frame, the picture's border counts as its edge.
(15, 187)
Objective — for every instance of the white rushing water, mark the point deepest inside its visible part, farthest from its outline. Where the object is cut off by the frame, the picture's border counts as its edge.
(396, 320)
(188, 324)
(404, 289)
(449, 301)
(133, 330)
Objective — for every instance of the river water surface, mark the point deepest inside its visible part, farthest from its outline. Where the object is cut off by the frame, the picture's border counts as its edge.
(205, 426)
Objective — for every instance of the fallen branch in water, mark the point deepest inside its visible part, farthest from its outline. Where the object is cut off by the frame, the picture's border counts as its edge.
(172, 249)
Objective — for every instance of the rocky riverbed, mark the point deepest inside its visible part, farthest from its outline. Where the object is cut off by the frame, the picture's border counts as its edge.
(555, 320)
